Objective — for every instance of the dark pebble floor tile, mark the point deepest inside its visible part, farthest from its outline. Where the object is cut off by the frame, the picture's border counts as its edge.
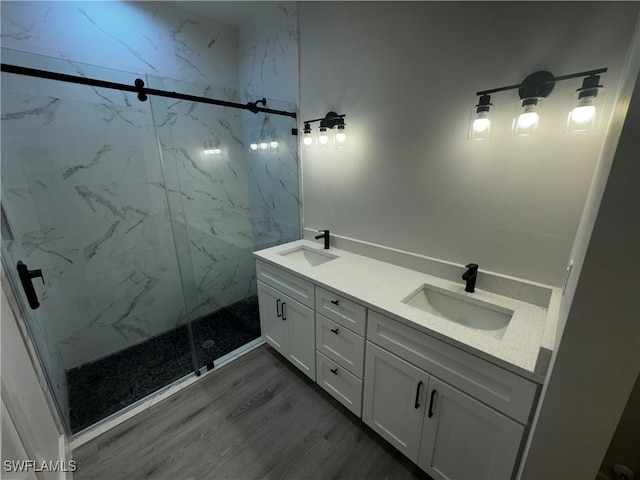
(105, 386)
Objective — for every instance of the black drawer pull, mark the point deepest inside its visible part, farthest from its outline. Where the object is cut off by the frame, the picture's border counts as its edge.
(433, 394)
(417, 404)
(334, 371)
(335, 302)
(278, 308)
(335, 330)
(284, 312)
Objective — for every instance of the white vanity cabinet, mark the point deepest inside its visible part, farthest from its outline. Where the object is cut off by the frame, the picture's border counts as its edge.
(455, 415)
(411, 401)
(287, 324)
(463, 438)
(394, 399)
(340, 326)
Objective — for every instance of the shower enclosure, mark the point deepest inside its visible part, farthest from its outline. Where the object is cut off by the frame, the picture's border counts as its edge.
(142, 217)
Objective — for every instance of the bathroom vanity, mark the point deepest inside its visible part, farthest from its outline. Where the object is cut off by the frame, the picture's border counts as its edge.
(447, 377)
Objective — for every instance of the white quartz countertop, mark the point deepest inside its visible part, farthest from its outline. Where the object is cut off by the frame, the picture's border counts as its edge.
(383, 286)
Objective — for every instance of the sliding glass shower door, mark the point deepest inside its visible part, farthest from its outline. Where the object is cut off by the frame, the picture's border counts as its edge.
(130, 226)
(83, 200)
(226, 200)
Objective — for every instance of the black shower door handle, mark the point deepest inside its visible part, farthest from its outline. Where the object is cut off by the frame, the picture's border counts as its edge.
(25, 278)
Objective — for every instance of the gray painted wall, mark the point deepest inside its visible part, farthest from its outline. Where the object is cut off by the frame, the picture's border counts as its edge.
(594, 369)
(406, 74)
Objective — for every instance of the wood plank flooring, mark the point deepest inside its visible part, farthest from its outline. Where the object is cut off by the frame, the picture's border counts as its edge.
(256, 418)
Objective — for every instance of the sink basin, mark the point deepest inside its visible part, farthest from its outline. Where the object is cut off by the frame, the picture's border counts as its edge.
(483, 317)
(307, 256)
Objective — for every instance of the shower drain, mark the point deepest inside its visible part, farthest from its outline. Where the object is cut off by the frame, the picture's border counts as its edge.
(208, 344)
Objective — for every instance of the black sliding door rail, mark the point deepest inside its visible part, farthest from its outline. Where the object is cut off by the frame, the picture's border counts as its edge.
(141, 90)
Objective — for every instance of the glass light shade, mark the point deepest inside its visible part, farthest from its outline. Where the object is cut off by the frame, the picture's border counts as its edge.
(479, 125)
(273, 144)
(527, 118)
(263, 145)
(253, 147)
(586, 111)
(307, 141)
(341, 136)
(323, 138)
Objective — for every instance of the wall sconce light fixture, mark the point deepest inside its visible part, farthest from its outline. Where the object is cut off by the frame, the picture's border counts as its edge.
(532, 91)
(212, 148)
(326, 131)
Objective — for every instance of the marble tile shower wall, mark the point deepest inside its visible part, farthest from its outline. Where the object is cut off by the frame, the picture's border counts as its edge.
(83, 190)
(269, 66)
(214, 202)
(95, 216)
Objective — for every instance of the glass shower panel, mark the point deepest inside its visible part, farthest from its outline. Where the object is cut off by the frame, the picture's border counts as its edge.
(229, 201)
(83, 199)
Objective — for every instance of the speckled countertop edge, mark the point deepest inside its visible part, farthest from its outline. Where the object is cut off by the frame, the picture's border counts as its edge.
(382, 286)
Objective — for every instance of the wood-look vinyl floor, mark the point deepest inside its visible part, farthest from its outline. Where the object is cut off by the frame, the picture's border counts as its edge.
(258, 417)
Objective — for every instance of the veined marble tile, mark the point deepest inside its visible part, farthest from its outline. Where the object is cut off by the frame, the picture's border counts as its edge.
(90, 207)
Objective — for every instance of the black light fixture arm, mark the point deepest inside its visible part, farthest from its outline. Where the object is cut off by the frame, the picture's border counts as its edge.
(141, 90)
(330, 120)
(526, 84)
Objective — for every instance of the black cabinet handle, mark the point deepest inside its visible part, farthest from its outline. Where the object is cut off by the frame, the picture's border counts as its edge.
(278, 308)
(335, 302)
(25, 278)
(284, 315)
(417, 404)
(335, 330)
(334, 371)
(433, 394)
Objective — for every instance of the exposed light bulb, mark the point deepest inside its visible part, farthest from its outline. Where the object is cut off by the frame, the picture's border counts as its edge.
(527, 119)
(583, 114)
(307, 140)
(253, 146)
(479, 121)
(323, 138)
(273, 144)
(481, 124)
(341, 136)
(264, 145)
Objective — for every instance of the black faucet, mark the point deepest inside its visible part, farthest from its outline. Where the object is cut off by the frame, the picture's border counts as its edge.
(470, 277)
(325, 235)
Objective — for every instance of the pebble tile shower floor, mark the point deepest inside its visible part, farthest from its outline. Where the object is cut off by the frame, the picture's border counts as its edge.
(100, 388)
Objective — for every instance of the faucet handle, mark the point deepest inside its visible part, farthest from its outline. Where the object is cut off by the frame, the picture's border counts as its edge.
(473, 266)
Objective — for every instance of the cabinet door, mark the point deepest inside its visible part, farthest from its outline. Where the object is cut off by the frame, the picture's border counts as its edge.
(465, 439)
(394, 399)
(271, 324)
(301, 335)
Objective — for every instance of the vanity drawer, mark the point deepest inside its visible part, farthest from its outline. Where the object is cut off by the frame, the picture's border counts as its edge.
(340, 344)
(340, 384)
(287, 283)
(345, 312)
(503, 390)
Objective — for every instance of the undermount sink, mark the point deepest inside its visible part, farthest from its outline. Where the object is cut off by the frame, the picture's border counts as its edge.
(307, 256)
(483, 317)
